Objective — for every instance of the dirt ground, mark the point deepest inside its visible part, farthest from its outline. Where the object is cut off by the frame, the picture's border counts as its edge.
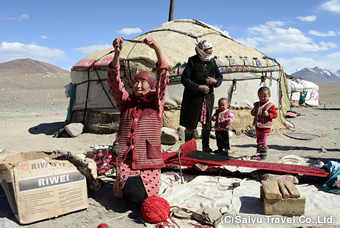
(34, 107)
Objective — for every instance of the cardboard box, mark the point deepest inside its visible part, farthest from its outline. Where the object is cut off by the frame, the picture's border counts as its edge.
(38, 187)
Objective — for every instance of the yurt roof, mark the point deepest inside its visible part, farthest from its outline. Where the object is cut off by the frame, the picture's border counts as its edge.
(177, 40)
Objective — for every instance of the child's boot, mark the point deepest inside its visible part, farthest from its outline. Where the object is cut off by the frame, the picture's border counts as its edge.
(261, 153)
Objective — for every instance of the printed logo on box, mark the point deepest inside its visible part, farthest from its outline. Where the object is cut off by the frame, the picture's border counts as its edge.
(42, 165)
(49, 180)
(25, 167)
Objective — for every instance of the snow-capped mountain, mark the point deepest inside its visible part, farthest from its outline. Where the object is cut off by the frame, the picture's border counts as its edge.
(294, 71)
(317, 75)
(337, 73)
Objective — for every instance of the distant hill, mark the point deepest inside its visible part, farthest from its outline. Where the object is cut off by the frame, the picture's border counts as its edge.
(29, 66)
(317, 75)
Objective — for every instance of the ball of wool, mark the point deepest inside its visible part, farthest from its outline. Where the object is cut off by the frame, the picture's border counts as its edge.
(155, 209)
(103, 225)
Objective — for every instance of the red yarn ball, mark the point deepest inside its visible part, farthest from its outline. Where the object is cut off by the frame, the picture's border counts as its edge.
(103, 225)
(155, 209)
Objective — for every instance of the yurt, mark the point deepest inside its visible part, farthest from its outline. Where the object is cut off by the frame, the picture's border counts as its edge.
(302, 92)
(244, 70)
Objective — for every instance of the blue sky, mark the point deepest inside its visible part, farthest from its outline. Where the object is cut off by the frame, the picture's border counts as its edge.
(297, 33)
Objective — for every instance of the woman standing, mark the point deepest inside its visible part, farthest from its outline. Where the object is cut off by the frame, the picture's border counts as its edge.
(200, 76)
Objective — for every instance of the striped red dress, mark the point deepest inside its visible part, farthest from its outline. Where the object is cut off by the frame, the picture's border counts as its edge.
(139, 131)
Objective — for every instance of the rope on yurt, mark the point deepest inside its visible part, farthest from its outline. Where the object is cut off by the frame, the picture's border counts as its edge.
(129, 77)
(184, 33)
(231, 91)
(87, 95)
(199, 23)
(263, 77)
(100, 81)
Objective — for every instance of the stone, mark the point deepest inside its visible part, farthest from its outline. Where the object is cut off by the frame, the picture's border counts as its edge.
(198, 133)
(181, 132)
(280, 178)
(74, 129)
(169, 136)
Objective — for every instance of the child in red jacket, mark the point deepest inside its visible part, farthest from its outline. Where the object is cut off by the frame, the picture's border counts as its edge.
(264, 111)
(223, 118)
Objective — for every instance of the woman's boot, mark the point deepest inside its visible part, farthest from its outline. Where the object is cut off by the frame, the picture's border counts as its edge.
(205, 142)
(188, 137)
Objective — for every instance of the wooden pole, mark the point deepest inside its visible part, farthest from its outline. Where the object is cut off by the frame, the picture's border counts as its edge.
(171, 10)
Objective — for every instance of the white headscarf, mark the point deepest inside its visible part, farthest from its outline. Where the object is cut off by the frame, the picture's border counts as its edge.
(200, 47)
